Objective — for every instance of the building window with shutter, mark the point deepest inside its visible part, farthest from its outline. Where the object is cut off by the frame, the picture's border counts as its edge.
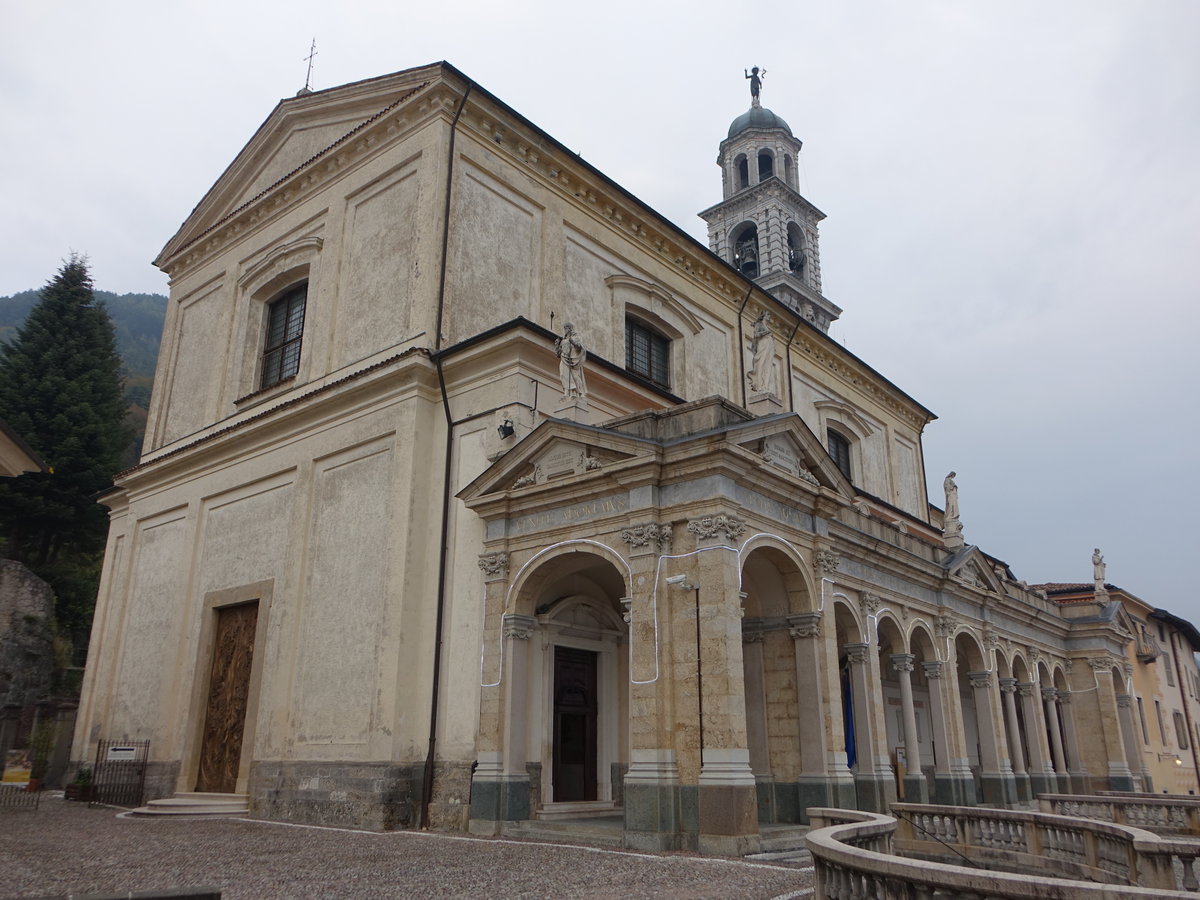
(839, 450)
(285, 330)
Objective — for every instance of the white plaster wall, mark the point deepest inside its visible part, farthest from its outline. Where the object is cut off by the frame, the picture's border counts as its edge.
(201, 327)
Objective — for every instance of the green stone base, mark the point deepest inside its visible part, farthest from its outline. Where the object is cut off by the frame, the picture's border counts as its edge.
(954, 791)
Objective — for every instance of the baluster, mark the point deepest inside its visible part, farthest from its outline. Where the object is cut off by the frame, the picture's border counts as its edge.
(1189, 875)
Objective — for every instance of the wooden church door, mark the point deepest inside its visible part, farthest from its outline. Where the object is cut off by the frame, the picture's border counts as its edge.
(228, 692)
(575, 716)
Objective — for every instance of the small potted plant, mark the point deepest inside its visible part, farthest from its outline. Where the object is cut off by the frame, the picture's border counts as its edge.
(81, 788)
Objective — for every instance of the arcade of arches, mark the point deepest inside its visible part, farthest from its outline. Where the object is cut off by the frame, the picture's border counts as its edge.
(703, 669)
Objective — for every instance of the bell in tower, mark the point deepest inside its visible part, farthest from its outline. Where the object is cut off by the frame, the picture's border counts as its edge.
(763, 227)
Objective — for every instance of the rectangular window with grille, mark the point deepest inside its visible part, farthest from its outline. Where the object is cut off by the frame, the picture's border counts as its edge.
(839, 450)
(647, 353)
(285, 331)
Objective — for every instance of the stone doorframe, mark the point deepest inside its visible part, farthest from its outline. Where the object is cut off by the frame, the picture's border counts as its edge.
(260, 592)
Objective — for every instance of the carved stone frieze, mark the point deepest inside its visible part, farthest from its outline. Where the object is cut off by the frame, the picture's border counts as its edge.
(647, 535)
(707, 528)
(1102, 663)
(827, 561)
(945, 625)
(530, 478)
(494, 564)
(869, 603)
(991, 640)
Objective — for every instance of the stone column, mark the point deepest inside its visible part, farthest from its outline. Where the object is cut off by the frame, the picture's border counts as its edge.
(1120, 778)
(916, 789)
(950, 786)
(1132, 752)
(756, 724)
(1042, 779)
(1077, 772)
(727, 802)
(874, 780)
(1062, 780)
(996, 778)
(1008, 690)
(822, 782)
(652, 781)
(489, 792)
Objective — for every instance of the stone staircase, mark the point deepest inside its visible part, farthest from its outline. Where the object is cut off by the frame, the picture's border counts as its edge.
(191, 804)
(783, 844)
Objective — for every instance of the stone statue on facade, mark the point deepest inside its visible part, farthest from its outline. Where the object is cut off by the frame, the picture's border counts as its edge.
(762, 348)
(756, 76)
(951, 523)
(1098, 567)
(571, 356)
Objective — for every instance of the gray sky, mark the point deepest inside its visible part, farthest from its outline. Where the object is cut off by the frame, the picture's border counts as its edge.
(1013, 192)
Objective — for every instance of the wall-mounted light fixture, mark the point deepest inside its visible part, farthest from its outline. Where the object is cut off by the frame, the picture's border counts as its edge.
(505, 428)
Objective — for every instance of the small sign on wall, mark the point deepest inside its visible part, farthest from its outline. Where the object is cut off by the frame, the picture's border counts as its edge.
(121, 754)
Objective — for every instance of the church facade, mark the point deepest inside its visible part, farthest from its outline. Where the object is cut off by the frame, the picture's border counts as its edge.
(406, 548)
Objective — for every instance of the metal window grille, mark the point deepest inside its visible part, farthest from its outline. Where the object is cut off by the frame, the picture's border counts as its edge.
(647, 353)
(285, 330)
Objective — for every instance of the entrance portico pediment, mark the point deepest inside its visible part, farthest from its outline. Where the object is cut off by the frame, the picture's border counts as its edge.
(969, 566)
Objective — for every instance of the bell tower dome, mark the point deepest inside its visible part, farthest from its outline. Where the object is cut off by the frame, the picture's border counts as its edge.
(763, 227)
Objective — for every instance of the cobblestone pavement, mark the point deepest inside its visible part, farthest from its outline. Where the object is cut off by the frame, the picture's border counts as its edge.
(66, 847)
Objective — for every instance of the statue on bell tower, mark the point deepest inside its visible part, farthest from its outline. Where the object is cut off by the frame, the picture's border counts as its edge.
(756, 78)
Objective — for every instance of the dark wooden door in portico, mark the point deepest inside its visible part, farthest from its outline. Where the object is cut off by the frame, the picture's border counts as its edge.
(228, 693)
(575, 706)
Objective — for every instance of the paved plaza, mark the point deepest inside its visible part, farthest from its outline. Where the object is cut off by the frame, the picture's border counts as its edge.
(68, 848)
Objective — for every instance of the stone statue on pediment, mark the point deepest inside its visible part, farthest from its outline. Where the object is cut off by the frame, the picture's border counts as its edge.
(951, 523)
(1098, 568)
(571, 356)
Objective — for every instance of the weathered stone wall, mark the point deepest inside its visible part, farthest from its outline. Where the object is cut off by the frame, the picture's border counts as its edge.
(26, 647)
(379, 796)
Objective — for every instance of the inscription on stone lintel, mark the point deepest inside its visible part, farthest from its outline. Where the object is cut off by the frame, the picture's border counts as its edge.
(773, 509)
(566, 515)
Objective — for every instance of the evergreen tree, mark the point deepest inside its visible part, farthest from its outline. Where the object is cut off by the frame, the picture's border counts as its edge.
(60, 389)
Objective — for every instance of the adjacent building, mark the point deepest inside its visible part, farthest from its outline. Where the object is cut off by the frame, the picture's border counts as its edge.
(405, 547)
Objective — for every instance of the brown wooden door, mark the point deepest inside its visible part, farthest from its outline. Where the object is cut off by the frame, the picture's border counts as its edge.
(574, 724)
(228, 691)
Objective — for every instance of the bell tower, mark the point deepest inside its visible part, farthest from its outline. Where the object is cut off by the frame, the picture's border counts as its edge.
(763, 227)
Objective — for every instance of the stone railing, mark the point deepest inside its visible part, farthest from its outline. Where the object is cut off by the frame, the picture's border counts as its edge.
(853, 855)
(1160, 813)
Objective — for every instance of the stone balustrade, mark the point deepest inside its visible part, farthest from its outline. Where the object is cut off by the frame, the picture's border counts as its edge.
(855, 856)
(1160, 813)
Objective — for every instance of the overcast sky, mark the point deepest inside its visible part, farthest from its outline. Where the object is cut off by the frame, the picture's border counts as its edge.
(1013, 192)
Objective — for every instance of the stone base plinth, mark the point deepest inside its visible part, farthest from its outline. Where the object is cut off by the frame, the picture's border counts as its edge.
(824, 792)
(728, 819)
(764, 404)
(494, 801)
(652, 820)
(573, 408)
(379, 796)
(876, 793)
(998, 789)
(916, 789)
(955, 790)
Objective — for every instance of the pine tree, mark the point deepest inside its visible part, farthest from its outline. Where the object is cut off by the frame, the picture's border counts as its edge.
(60, 389)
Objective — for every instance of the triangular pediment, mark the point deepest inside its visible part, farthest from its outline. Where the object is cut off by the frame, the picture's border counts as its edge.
(969, 566)
(554, 451)
(787, 444)
(298, 134)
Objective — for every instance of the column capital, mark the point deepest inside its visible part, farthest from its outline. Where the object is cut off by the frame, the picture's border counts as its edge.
(856, 653)
(1027, 688)
(826, 561)
(1124, 701)
(753, 637)
(1008, 685)
(519, 627)
(1064, 698)
(945, 625)
(1050, 695)
(804, 625)
(933, 668)
(980, 679)
(903, 662)
(869, 603)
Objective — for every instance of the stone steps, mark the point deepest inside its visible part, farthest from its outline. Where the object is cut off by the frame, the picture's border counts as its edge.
(782, 838)
(605, 831)
(194, 804)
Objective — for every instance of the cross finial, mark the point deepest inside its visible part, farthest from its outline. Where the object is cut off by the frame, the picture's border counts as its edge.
(312, 51)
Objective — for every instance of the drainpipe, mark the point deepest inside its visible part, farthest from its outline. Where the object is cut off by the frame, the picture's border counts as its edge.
(435, 692)
(787, 356)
